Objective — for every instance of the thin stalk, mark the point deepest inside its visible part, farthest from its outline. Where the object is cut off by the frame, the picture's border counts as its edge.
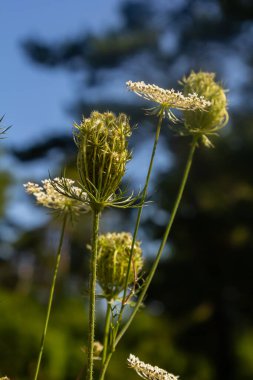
(106, 331)
(164, 240)
(51, 296)
(104, 368)
(92, 289)
(136, 229)
(144, 194)
(159, 252)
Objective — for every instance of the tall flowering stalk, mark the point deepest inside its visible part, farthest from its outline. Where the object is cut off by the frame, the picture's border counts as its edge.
(166, 101)
(193, 123)
(47, 196)
(102, 142)
(196, 101)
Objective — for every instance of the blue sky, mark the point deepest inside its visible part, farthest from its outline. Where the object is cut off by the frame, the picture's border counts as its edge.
(33, 99)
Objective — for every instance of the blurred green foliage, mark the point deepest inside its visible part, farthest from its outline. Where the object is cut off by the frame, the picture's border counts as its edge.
(21, 324)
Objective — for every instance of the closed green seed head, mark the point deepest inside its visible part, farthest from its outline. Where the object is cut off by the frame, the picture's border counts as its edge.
(215, 116)
(113, 255)
(102, 141)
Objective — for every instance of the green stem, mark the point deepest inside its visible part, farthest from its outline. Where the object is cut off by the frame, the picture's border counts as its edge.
(92, 288)
(51, 296)
(104, 368)
(159, 252)
(136, 229)
(164, 240)
(106, 331)
(137, 224)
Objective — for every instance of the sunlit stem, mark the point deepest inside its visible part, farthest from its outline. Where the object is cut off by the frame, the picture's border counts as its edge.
(51, 296)
(159, 252)
(164, 240)
(137, 224)
(136, 229)
(92, 294)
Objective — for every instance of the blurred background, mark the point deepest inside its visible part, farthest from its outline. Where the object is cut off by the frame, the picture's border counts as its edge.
(62, 59)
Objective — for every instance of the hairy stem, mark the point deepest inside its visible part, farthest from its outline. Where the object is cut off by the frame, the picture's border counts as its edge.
(92, 294)
(51, 296)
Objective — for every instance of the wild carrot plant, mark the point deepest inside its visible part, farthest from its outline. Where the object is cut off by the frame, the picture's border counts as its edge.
(116, 261)
(47, 195)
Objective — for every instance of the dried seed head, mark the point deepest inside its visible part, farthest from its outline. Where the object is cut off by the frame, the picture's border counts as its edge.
(147, 371)
(102, 141)
(216, 117)
(47, 195)
(113, 256)
(168, 98)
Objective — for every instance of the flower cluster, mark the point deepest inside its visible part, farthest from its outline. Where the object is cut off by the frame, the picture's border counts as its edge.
(168, 98)
(102, 141)
(113, 256)
(147, 371)
(216, 117)
(48, 195)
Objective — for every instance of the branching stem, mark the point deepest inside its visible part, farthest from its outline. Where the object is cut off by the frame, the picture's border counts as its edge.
(136, 229)
(159, 252)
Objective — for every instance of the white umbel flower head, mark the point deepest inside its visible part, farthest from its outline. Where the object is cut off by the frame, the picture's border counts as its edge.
(147, 371)
(48, 195)
(167, 99)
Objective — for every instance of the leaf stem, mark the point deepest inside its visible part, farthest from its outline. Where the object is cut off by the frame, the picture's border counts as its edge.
(51, 296)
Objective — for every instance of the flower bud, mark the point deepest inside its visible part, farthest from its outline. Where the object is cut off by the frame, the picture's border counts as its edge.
(215, 116)
(113, 256)
(102, 141)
